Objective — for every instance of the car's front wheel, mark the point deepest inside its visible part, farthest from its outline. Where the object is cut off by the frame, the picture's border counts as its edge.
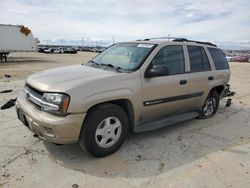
(210, 106)
(104, 130)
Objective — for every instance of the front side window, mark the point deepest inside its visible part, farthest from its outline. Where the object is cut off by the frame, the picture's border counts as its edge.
(172, 57)
(198, 59)
(219, 59)
(126, 56)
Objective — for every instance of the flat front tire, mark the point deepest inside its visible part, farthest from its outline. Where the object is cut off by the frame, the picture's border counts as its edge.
(104, 130)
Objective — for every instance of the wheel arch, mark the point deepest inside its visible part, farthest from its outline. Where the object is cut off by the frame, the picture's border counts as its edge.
(219, 89)
(125, 104)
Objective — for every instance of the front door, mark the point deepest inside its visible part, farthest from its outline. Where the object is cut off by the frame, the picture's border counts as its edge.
(166, 94)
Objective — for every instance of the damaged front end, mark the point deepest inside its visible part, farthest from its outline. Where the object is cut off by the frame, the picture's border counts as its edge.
(226, 94)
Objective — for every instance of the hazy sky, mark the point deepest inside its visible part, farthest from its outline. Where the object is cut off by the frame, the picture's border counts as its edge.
(226, 21)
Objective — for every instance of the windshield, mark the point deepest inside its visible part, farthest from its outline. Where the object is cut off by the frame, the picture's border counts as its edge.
(124, 55)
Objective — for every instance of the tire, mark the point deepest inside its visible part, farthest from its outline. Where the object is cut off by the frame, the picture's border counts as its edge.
(104, 130)
(210, 106)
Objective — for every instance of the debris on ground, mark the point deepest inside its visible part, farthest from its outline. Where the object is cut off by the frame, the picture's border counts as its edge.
(7, 75)
(75, 186)
(229, 102)
(9, 104)
(6, 91)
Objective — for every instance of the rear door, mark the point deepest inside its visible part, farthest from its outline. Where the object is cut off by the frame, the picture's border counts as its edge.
(200, 74)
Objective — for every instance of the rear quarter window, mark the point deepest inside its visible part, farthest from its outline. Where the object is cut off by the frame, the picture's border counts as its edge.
(219, 59)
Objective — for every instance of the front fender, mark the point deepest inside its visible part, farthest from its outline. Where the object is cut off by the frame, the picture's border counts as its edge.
(106, 96)
(111, 95)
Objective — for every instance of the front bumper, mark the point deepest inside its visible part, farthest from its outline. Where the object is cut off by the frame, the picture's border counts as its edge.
(227, 92)
(56, 129)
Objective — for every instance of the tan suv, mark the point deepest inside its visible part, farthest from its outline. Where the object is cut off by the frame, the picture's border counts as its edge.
(134, 86)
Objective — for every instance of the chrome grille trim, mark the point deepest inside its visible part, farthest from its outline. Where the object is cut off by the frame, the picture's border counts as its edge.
(32, 96)
(36, 98)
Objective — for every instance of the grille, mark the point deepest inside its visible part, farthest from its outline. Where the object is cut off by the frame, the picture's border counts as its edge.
(34, 90)
(33, 95)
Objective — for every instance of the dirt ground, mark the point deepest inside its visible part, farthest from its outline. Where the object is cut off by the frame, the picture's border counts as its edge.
(197, 153)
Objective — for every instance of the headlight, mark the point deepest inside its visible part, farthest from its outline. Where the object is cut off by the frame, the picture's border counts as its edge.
(55, 103)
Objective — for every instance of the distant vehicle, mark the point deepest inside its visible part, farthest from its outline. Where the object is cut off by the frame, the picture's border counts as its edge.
(41, 49)
(77, 49)
(87, 49)
(16, 38)
(240, 58)
(70, 51)
(100, 50)
(229, 58)
(59, 51)
(94, 50)
(49, 50)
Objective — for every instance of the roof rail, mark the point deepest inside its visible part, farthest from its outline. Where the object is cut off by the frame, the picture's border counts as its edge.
(198, 42)
(178, 39)
(167, 38)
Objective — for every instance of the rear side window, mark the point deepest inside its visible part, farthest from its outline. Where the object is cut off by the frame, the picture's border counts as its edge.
(198, 59)
(171, 56)
(219, 59)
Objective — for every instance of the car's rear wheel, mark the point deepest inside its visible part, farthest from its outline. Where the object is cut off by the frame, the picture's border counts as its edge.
(104, 130)
(210, 106)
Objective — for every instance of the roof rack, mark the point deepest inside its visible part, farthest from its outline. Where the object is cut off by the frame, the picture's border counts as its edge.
(178, 39)
(167, 38)
(199, 42)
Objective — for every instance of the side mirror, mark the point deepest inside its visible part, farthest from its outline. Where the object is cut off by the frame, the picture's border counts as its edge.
(157, 70)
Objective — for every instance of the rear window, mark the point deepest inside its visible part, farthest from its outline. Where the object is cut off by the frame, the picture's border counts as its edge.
(219, 59)
(198, 59)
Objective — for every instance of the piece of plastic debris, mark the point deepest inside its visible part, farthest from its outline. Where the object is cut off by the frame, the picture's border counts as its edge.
(9, 104)
(232, 93)
(229, 102)
(75, 186)
(6, 91)
(7, 75)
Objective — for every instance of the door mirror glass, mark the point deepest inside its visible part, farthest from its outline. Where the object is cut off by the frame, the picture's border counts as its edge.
(157, 70)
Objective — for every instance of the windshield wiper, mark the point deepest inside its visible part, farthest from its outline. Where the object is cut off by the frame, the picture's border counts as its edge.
(117, 68)
(93, 63)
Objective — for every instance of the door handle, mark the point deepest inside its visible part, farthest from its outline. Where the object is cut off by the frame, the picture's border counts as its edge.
(210, 78)
(183, 82)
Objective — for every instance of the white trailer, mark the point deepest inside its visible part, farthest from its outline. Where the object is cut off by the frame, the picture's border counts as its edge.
(16, 38)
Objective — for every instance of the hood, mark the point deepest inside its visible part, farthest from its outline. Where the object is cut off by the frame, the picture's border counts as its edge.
(63, 78)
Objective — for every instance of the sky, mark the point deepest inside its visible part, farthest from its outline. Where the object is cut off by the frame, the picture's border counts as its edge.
(224, 22)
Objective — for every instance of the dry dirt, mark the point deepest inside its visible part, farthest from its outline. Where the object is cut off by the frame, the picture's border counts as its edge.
(197, 153)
